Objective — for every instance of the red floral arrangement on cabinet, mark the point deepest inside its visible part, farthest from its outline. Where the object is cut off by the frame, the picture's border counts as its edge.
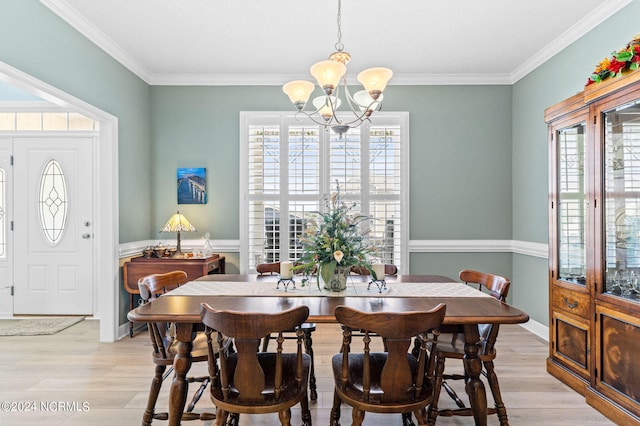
(624, 59)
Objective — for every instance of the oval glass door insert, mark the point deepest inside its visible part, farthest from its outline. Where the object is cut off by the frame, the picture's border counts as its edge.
(53, 199)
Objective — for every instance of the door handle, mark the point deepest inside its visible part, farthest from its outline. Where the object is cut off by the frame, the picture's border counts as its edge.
(86, 236)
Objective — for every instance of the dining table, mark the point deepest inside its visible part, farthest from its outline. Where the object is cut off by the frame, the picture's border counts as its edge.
(466, 306)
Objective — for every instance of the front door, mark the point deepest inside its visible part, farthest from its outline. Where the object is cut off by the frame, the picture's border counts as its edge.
(6, 258)
(53, 226)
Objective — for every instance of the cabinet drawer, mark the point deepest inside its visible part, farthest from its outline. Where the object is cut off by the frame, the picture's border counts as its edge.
(571, 301)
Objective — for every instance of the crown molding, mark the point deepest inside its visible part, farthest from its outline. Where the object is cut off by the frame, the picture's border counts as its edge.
(450, 79)
(280, 79)
(573, 33)
(87, 29)
(221, 79)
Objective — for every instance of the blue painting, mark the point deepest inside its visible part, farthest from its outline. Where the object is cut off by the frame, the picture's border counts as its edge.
(192, 185)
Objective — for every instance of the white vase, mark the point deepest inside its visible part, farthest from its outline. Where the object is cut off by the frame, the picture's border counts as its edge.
(337, 281)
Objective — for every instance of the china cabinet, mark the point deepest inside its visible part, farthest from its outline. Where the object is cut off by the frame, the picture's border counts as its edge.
(594, 245)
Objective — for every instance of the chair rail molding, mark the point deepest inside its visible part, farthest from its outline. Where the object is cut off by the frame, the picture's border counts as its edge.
(480, 246)
(415, 246)
(135, 248)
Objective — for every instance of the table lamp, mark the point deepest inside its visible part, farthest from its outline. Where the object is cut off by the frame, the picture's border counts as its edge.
(178, 223)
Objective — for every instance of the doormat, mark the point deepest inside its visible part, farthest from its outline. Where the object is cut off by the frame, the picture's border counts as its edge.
(35, 326)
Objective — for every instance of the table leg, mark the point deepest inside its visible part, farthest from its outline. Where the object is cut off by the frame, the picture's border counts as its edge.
(181, 366)
(473, 367)
(308, 347)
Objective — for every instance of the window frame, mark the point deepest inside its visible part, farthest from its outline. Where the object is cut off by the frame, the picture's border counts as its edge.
(251, 118)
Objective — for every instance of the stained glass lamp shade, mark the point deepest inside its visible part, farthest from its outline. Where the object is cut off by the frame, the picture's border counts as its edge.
(178, 223)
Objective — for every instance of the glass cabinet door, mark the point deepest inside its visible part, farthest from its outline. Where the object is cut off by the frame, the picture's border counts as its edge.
(621, 216)
(571, 213)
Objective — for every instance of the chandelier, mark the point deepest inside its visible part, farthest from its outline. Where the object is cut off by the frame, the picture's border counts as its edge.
(328, 75)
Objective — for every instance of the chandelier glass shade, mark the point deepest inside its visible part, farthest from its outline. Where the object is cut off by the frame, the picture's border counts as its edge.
(330, 75)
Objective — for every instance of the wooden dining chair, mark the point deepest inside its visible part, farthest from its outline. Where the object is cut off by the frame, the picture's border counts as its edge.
(253, 382)
(451, 345)
(389, 269)
(392, 381)
(307, 328)
(165, 349)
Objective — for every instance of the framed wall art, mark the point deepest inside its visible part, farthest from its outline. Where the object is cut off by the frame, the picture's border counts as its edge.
(192, 185)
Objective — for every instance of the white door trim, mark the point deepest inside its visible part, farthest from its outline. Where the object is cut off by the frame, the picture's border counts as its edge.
(105, 163)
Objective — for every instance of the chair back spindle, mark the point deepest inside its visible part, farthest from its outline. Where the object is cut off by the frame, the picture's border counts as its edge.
(252, 381)
(389, 381)
(308, 328)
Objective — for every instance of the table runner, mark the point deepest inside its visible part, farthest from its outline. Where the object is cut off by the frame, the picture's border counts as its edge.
(354, 289)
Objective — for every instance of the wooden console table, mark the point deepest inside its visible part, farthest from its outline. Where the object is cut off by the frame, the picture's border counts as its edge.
(194, 267)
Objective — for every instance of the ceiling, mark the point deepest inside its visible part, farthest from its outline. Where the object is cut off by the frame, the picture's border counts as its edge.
(222, 42)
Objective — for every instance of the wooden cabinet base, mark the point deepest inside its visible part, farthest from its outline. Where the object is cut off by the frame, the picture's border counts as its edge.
(613, 411)
(566, 376)
(617, 414)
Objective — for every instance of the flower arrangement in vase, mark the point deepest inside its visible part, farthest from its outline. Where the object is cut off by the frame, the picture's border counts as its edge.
(334, 241)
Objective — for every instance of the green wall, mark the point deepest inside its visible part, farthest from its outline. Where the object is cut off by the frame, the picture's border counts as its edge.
(460, 155)
(460, 166)
(35, 41)
(478, 153)
(460, 160)
(557, 79)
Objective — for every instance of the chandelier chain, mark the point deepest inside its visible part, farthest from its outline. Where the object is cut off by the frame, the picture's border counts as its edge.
(339, 46)
(331, 77)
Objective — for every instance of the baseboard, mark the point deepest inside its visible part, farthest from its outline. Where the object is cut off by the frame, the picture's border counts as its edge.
(123, 330)
(537, 328)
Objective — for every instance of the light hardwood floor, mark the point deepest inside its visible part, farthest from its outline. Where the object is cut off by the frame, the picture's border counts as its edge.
(81, 382)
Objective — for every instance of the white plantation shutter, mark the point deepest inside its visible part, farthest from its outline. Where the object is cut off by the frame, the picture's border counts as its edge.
(622, 187)
(571, 185)
(288, 166)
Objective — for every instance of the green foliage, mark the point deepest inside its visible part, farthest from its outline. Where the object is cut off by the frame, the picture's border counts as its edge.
(335, 237)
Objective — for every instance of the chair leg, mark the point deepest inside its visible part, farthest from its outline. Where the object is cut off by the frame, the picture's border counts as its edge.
(221, 417)
(334, 417)
(308, 348)
(421, 416)
(407, 420)
(234, 419)
(285, 417)
(357, 417)
(492, 378)
(306, 414)
(433, 407)
(154, 391)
